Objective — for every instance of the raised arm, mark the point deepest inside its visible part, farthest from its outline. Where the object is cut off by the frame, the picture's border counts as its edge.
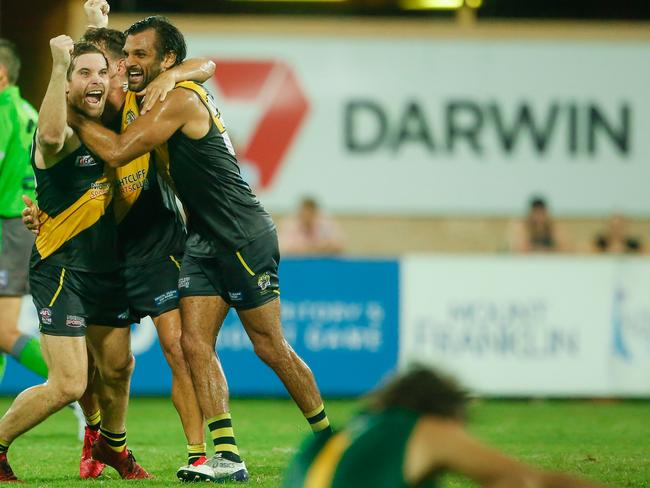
(141, 136)
(199, 70)
(53, 130)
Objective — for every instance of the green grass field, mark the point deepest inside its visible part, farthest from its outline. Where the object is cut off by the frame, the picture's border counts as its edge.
(608, 442)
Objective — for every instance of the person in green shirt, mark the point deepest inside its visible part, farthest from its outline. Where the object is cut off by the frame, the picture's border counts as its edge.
(409, 433)
(18, 122)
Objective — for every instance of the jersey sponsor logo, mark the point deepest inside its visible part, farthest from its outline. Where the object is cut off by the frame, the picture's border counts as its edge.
(133, 182)
(264, 281)
(165, 297)
(184, 282)
(274, 86)
(235, 296)
(46, 316)
(130, 117)
(4, 278)
(75, 321)
(99, 189)
(85, 161)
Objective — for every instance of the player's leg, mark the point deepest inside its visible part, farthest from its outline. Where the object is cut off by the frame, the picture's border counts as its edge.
(202, 317)
(66, 358)
(109, 340)
(23, 348)
(152, 290)
(3, 366)
(252, 273)
(184, 398)
(263, 326)
(15, 248)
(111, 349)
(89, 402)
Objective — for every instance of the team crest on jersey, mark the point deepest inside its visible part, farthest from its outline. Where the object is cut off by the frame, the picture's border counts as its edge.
(264, 281)
(85, 161)
(46, 316)
(130, 117)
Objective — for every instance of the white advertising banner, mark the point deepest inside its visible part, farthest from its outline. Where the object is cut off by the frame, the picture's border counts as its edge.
(549, 326)
(424, 126)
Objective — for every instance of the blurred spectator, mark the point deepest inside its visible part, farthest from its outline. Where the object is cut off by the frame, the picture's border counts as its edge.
(537, 233)
(310, 232)
(616, 240)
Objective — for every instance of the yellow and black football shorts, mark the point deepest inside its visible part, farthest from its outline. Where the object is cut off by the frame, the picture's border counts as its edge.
(245, 279)
(152, 288)
(68, 301)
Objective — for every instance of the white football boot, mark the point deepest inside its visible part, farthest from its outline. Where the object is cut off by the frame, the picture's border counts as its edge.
(217, 469)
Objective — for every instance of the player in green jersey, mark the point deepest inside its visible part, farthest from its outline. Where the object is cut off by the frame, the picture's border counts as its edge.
(18, 121)
(410, 432)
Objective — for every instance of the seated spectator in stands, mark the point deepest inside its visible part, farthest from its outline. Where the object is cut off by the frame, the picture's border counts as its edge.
(616, 240)
(537, 233)
(309, 232)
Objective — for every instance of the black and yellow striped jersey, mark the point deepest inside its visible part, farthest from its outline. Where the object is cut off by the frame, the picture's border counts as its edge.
(149, 222)
(78, 227)
(222, 209)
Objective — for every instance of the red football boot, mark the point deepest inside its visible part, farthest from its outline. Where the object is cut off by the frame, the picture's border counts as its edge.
(88, 467)
(123, 462)
(6, 473)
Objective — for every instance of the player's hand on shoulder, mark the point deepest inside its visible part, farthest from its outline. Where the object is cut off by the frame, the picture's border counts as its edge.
(157, 90)
(61, 47)
(97, 13)
(30, 215)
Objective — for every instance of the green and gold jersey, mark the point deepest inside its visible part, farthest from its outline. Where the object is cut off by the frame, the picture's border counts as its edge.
(78, 227)
(17, 124)
(368, 453)
(149, 223)
(223, 213)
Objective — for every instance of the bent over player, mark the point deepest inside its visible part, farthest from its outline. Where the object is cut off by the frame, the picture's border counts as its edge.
(409, 433)
(231, 255)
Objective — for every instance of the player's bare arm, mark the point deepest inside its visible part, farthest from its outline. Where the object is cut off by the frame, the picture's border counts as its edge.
(53, 133)
(456, 451)
(180, 110)
(195, 69)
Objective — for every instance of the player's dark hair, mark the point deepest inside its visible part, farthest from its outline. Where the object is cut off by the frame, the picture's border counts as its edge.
(81, 48)
(309, 202)
(538, 201)
(422, 390)
(168, 38)
(10, 60)
(110, 41)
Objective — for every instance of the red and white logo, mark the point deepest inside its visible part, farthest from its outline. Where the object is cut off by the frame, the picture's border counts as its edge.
(273, 86)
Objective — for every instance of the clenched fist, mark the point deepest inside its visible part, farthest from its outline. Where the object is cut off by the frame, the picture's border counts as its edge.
(61, 47)
(97, 12)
